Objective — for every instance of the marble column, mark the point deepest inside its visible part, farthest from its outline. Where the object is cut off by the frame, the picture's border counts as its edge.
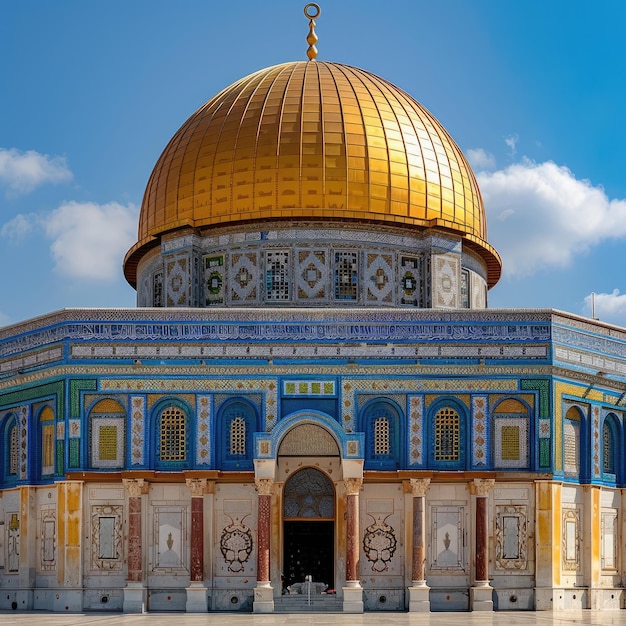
(419, 591)
(263, 592)
(352, 592)
(197, 596)
(135, 592)
(481, 593)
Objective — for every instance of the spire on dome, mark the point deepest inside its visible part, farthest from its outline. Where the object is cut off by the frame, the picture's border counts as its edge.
(312, 11)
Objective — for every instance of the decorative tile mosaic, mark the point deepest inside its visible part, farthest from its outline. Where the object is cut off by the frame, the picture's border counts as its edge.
(379, 278)
(204, 436)
(596, 437)
(446, 271)
(511, 436)
(243, 325)
(269, 389)
(178, 281)
(137, 429)
(480, 434)
(244, 272)
(416, 434)
(399, 386)
(312, 275)
(309, 387)
(107, 441)
(23, 421)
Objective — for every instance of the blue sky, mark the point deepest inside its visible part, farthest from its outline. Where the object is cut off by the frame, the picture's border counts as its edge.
(533, 92)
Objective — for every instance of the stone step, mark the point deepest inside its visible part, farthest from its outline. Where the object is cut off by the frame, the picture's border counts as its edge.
(299, 603)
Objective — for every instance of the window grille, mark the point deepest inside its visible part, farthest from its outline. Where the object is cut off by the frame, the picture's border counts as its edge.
(346, 275)
(13, 456)
(382, 438)
(277, 275)
(173, 435)
(47, 448)
(571, 446)
(608, 448)
(465, 303)
(157, 299)
(447, 435)
(238, 436)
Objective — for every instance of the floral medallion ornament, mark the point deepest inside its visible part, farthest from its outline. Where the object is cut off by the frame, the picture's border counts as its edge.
(379, 544)
(236, 544)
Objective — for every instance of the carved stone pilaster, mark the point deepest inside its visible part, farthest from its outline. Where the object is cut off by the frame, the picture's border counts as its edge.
(136, 486)
(353, 486)
(264, 486)
(481, 486)
(419, 486)
(197, 486)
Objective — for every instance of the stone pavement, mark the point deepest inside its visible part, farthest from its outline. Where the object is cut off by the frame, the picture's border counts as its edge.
(498, 618)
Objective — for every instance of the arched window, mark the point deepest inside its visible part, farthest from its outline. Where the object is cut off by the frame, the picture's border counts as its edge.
(13, 451)
(236, 426)
(173, 435)
(447, 436)
(511, 434)
(380, 421)
(46, 435)
(107, 421)
(572, 442)
(382, 439)
(610, 459)
(237, 436)
(10, 449)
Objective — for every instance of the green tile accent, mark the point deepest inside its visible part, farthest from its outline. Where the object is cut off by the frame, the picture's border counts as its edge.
(76, 386)
(74, 460)
(59, 458)
(544, 453)
(543, 387)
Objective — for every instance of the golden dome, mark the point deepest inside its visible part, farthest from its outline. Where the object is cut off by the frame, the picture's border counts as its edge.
(313, 140)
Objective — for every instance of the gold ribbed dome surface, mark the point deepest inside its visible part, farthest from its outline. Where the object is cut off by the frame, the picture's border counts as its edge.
(313, 140)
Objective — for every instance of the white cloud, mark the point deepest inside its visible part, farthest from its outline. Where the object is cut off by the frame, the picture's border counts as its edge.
(511, 142)
(607, 307)
(21, 172)
(541, 215)
(18, 227)
(481, 159)
(89, 240)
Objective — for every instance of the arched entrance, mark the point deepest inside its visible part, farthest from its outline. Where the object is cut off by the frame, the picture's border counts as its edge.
(309, 528)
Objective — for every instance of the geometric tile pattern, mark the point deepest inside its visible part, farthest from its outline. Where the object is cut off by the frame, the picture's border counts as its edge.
(137, 429)
(204, 436)
(416, 434)
(480, 436)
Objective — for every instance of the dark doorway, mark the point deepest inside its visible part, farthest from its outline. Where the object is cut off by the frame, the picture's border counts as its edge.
(309, 551)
